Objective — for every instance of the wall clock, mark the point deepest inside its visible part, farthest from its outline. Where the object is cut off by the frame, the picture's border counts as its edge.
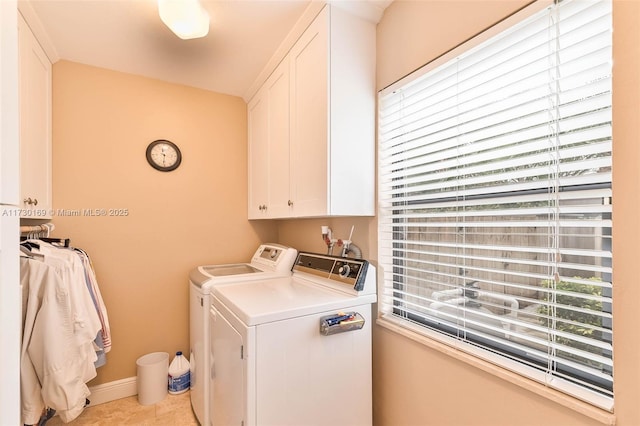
(164, 155)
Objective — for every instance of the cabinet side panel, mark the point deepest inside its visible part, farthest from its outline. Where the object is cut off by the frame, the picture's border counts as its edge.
(9, 154)
(353, 55)
(10, 289)
(10, 321)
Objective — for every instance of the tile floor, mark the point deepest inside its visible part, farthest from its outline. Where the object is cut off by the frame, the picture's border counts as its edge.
(173, 410)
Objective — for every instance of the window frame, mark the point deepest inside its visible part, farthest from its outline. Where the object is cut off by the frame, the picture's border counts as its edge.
(564, 385)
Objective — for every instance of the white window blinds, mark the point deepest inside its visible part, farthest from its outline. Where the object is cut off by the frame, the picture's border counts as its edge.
(495, 199)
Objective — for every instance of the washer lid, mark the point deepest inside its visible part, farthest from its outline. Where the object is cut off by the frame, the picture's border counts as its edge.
(269, 261)
(229, 273)
(264, 301)
(224, 270)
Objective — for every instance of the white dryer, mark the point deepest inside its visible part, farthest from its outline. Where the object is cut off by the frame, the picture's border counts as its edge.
(269, 261)
(296, 350)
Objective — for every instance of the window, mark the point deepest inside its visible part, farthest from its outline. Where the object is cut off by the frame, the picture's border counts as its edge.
(495, 199)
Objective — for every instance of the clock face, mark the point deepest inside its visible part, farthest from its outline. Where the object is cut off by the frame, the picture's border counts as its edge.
(163, 155)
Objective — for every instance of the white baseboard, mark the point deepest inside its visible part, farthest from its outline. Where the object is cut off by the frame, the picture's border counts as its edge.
(111, 391)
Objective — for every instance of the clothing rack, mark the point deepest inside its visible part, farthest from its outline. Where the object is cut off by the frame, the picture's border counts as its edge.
(41, 232)
(64, 242)
(37, 231)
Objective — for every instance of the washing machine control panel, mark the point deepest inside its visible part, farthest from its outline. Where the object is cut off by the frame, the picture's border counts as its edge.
(339, 270)
(270, 253)
(274, 257)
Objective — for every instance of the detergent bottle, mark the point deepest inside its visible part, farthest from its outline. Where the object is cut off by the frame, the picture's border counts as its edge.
(179, 374)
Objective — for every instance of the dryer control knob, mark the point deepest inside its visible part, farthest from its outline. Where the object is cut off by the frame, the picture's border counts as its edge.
(344, 271)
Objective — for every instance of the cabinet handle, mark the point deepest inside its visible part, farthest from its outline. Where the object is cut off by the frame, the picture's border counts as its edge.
(262, 207)
(290, 203)
(30, 202)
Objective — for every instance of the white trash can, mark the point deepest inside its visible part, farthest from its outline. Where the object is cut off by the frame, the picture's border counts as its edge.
(153, 370)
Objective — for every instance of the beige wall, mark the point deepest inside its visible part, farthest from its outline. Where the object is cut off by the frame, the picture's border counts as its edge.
(416, 385)
(102, 124)
(412, 33)
(626, 193)
(306, 235)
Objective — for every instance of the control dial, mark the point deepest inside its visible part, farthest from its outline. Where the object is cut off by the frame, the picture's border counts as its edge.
(344, 271)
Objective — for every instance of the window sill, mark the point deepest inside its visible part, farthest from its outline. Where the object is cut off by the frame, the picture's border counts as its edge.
(436, 342)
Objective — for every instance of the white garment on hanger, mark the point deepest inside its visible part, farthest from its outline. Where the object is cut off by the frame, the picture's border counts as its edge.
(60, 324)
(51, 361)
(101, 308)
(85, 318)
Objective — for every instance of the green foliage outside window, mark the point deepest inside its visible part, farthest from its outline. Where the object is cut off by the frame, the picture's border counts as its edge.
(573, 313)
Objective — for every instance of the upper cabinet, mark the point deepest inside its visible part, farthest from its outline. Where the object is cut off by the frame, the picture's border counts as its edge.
(35, 125)
(268, 121)
(312, 125)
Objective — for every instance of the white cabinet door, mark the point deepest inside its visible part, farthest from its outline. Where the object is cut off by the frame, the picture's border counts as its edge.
(257, 116)
(35, 124)
(279, 112)
(309, 120)
(269, 147)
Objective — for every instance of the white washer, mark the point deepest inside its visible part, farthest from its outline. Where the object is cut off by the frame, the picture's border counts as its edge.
(269, 261)
(280, 355)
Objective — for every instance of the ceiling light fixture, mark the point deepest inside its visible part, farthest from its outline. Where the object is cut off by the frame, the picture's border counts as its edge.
(186, 18)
